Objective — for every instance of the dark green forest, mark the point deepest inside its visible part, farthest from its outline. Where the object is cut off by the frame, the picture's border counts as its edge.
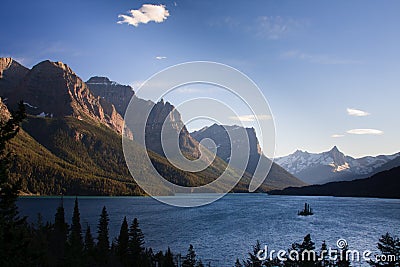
(67, 156)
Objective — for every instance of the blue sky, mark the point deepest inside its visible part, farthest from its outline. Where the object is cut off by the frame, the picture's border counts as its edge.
(313, 60)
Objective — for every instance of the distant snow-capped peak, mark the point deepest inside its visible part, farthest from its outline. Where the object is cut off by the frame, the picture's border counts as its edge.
(338, 162)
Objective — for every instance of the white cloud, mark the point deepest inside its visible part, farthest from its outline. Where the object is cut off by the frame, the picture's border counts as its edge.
(337, 135)
(318, 58)
(160, 57)
(357, 112)
(145, 14)
(250, 118)
(365, 131)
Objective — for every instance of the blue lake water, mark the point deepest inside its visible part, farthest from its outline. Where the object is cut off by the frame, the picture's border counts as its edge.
(226, 229)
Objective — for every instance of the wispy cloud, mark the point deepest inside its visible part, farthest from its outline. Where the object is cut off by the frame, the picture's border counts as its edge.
(337, 135)
(160, 57)
(357, 112)
(276, 27)
(318, 58)
(264, 27)
(226, 22)
(145, 14)
(250, 118)
(365, 131)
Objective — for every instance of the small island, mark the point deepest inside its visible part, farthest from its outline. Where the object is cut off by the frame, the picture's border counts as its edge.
(307, 210)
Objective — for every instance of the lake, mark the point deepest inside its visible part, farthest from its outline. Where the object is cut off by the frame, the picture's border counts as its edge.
(226, 229)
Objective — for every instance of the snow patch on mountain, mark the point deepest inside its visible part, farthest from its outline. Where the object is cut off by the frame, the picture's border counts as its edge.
(301, 162)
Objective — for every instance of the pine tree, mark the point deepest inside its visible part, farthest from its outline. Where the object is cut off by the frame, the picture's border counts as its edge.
(199, 263)
(103, 242)
(38, 247)
(122, 246)
(169, 259)
(136, 242)
(75, 239)
(14, 238)
(253, 260)
(237, 263)
(148, 259)
(59, 236)
(323, 256)
(343, 258)
(190, 259)
(89, 247)
(389, 245)
(89, 242)
(306, 252)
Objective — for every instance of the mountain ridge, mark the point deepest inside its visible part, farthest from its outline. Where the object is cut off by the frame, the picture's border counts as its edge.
(53, 89)
(79, 134)
(332, 165)
(384, 184)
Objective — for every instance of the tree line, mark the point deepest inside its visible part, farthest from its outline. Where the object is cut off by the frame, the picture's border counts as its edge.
(305, 255)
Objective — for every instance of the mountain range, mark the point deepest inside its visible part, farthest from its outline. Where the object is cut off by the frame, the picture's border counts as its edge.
(333, 165)
(71, 140)
(385, 184)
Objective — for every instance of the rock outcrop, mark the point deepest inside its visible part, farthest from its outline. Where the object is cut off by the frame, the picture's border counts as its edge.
(119, 95)
(11, 74)
(165, 113)
(52, 89)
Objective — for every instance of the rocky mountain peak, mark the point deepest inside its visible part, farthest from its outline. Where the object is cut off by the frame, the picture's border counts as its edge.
(11, 74)
(164, 113)
(220, 135)
(98, 80)
(300, 152)
(119, 95)
(52, 89)
(334, 148)
(332, 165)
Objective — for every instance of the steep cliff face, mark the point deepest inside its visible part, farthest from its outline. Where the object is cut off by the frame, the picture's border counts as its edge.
(11, 74)
(165, 113)
(119, 95)
(52, 89)
(220, 135)
(277, 176)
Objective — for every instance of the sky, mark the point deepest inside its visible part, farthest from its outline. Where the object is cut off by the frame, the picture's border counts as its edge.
(328, 69)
